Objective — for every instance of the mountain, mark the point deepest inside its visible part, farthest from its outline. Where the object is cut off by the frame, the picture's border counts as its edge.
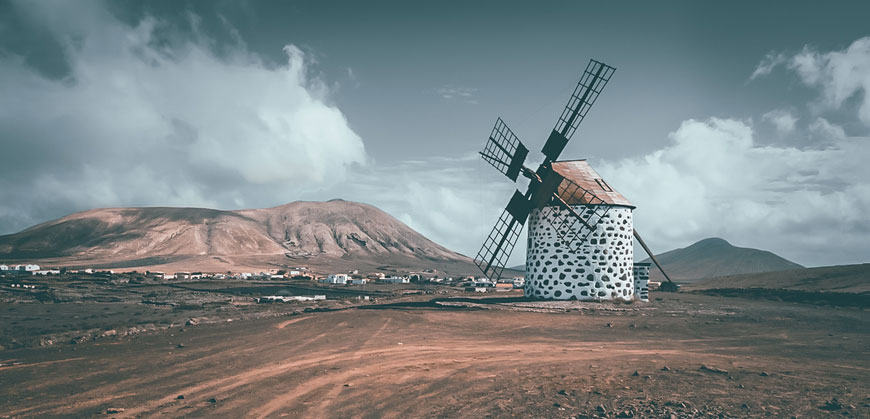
(840, 279)
(336, 234)
(715, 257)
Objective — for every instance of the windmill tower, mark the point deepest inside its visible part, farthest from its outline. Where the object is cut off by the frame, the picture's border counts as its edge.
(580, 229)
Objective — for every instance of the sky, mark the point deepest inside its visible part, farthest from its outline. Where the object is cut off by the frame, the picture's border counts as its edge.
(748, 121)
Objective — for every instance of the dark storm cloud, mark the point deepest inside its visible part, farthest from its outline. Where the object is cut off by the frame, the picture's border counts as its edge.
(145, 116)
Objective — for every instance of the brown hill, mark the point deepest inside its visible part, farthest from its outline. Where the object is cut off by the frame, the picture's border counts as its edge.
(840, 279)
(335, 234)
(715, 257)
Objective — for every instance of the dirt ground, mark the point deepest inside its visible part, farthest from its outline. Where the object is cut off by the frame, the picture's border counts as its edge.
(681, 355)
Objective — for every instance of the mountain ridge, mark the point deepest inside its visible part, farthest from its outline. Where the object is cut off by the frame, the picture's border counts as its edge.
(335, 232)
(716, 257)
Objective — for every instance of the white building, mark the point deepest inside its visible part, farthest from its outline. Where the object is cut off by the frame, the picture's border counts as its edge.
(4, 267)
(359, 281)
(335, 279)
(270, 299)
(305, 298)
(26, 268)
(397, 280)
(288, 298)
(48, 272)
(601, 267)
(483, 282)
(641, 281)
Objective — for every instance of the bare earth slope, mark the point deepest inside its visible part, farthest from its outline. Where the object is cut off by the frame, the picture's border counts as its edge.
(845, 278)
(687, 356)
(341, 228)
(715, 257)
(299, 233)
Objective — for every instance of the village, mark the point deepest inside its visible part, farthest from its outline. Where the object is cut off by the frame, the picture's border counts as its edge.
(99, 303)
(351, 278)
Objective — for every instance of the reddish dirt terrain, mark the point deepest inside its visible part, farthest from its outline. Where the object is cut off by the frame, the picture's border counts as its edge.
(684, 356)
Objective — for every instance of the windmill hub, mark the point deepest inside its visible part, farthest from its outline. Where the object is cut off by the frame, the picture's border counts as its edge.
(580, 230)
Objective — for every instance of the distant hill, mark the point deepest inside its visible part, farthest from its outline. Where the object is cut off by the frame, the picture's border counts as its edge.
(839, 279)
(715, 257)
(336, 234)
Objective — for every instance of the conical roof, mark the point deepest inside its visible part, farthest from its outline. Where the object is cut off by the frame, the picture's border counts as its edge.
(581, 173)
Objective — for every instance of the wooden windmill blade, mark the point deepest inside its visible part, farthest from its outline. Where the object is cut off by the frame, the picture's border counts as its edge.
(591, 83)
(505, 151)
(499, 244)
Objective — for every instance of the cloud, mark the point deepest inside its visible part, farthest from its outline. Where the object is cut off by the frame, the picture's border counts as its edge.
(452, 201)
(839, 75)
(451, 92)
(824, 130)
(805, 198)
(149, 116)
(782, 120)
(713, 179)
(767, 64)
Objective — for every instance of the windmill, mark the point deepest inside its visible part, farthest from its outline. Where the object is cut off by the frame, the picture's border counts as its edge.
(580, 229)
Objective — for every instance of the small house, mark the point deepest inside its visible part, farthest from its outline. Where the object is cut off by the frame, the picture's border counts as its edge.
(335, 279)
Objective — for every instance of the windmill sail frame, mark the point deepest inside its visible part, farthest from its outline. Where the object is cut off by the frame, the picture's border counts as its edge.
(506, 153)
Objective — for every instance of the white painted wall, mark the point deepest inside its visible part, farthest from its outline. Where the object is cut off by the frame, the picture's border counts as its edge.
(600, 270)
(641, 281)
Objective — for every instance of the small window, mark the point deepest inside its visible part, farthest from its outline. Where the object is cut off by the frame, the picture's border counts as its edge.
(604, 185)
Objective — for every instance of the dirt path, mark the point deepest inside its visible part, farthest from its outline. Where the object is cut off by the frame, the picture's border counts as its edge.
(758, 358)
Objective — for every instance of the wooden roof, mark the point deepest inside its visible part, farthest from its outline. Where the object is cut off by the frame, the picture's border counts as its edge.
(581, 173)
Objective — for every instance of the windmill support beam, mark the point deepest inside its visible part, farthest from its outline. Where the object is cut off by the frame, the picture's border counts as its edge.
(572, 211)
(651, 255)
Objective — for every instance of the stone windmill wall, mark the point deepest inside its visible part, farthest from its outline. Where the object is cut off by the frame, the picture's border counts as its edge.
(601, 269)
